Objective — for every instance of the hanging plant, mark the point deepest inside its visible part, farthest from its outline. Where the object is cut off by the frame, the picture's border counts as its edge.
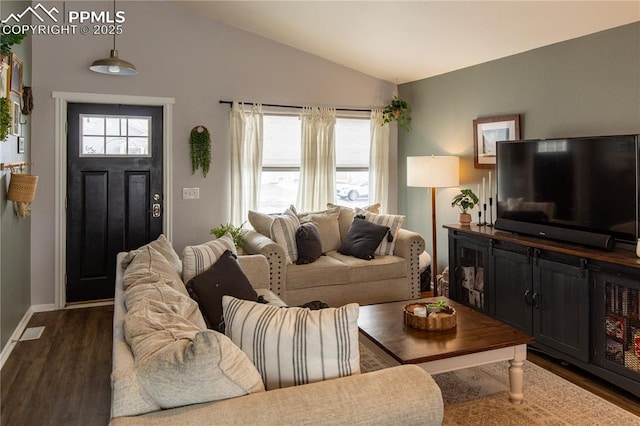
(397, 110)
(200, 143)
(5, 118)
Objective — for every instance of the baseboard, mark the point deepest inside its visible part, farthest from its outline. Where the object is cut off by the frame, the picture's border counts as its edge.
(22, 325)
(6, 351)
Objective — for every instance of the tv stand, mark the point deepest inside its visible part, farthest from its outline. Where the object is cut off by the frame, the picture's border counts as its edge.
(581, 304)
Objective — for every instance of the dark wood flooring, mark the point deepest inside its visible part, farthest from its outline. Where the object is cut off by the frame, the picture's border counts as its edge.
(63, 378)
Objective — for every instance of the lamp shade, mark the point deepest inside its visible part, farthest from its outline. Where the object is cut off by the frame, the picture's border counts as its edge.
(431, 171)
(113, 65)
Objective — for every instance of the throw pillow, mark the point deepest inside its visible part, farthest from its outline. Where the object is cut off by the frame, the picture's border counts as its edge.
(283, 232)
(225, 277)
(346, 216)
(197, 259)
(394, 222)
(164, 247)
(363, 238)
(179, 364)
(294, 346)
(327, 223)
(261, 222)
(308, 243)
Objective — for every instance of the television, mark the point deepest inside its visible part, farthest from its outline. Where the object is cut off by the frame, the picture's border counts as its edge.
(582, 190)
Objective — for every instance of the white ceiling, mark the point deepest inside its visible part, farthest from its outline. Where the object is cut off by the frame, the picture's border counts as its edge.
(402, 41)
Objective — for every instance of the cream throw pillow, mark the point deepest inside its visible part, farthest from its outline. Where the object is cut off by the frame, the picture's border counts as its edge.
(179, 364)
(283, 232)
(197, 259)
(327, 224)
(261, 222)
(294, 346)
(394, 222)
(346, 215)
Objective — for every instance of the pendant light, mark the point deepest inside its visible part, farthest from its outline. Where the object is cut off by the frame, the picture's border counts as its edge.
(113, 65)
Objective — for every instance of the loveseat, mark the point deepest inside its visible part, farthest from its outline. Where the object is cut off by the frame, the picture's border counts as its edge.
(399, 395)
(336, 278)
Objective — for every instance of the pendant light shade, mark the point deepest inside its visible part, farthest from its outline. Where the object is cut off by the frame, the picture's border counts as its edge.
(113, 65)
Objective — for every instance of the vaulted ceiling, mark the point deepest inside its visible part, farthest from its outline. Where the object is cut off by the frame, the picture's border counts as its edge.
(402, 41)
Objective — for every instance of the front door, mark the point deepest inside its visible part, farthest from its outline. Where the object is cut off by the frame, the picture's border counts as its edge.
(114, 191)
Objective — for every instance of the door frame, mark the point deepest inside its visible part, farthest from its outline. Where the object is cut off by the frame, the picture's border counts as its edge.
(60, 135)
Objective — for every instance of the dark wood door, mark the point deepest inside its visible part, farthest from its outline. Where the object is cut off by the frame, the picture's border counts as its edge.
(513, 292)
(561, 307)
(114, 191)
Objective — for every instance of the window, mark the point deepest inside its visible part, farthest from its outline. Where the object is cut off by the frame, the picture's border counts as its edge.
(108, 135)
(281, 161)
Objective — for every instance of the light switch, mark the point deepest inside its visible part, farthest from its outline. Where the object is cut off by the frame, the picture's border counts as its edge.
(190, 193)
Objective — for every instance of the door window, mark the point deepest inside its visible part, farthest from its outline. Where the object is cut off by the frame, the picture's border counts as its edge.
(115, 136)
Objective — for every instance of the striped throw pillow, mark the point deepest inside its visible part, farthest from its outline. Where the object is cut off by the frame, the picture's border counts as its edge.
(283, 232)
(197, 259)
(394, 222)
(294, 346)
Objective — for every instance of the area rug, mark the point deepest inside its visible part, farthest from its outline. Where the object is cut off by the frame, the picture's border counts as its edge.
(480, 396)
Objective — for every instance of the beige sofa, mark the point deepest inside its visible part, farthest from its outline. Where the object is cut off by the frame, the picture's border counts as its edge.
(400, 395)
(337, 279)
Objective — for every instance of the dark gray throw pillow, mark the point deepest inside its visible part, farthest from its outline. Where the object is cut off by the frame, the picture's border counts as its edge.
(309, 244)
(225, 277)
(363, 238)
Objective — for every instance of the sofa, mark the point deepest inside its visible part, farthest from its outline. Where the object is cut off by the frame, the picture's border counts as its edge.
(399, 395)
(336, 278)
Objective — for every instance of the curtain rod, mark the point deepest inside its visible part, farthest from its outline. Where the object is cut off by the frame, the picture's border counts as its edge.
(230, 103)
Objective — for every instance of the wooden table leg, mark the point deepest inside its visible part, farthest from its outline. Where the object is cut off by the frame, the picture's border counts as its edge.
(516, 374)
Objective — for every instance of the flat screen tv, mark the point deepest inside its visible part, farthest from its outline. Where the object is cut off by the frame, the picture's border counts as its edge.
(556, 187)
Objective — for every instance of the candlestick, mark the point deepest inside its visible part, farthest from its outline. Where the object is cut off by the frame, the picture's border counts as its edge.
(484, 200)
(484, 211)
(490, 211)
(489, 184)
(480, 223)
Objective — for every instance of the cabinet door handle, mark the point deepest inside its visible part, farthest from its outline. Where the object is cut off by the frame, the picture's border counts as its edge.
(536, 300)
(527, 297)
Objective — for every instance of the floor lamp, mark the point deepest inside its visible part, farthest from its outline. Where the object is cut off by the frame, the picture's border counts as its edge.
(433, 172)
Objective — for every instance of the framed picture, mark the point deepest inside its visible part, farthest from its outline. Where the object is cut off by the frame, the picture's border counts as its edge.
(488, 131)
(5, 70)
(15, 119)
(20, 145)
(16, 74)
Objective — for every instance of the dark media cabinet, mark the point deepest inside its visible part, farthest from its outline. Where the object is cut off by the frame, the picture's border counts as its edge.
(582, 305)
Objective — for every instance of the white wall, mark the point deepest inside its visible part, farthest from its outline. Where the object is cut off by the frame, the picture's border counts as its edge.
(198, 62)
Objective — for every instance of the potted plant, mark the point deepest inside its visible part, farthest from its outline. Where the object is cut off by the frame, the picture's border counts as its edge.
(200, 144)
(397, 110)
(465, 200)
(236, 232)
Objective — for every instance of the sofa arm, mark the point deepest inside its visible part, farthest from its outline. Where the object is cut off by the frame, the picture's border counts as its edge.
(256, 243)
(404, 395)
(256, 268)
(410, 245)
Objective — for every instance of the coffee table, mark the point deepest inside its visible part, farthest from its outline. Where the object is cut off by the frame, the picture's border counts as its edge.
(476, 340)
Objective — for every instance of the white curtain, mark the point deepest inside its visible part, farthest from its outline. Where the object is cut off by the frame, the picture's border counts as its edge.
(379, 161)
(246, 160)
(318, 163)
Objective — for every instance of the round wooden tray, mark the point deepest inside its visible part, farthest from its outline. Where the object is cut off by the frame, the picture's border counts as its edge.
(436, 321)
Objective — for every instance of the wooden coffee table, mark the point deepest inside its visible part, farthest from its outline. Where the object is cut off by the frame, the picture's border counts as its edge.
(477, 339)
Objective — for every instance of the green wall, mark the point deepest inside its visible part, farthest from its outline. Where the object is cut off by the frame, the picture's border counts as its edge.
(15, 233)
(585, 86)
